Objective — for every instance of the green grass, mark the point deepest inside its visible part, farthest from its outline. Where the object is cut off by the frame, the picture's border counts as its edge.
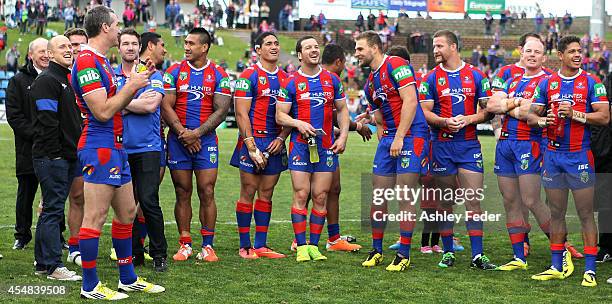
(340, 279)
(231, 51)
(287, 43)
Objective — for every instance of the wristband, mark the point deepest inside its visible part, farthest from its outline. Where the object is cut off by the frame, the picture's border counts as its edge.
(579, 116)
(280, 138)
(542, 122)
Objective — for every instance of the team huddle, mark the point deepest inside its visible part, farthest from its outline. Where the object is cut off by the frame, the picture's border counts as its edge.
(426, 129)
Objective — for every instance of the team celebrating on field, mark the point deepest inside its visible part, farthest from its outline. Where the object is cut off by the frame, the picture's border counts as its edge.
(115, 150)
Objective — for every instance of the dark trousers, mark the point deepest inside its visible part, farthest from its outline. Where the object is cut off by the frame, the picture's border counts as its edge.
(144, 168)
(55, 178)
(27, 184)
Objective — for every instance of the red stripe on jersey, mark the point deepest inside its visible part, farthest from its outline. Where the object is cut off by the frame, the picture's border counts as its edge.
(446, 101)
(84, 132)
(589, 154)
(205, 108)
(262, 103)
(576, 128)
(554, 130)
(303, 107)
(180, 105)
(469, 104)
(328, 109)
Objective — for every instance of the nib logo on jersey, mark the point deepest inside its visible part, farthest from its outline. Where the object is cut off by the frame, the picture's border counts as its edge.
(88, 76)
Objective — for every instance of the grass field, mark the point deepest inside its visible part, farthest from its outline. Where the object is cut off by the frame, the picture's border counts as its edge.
(340, 279)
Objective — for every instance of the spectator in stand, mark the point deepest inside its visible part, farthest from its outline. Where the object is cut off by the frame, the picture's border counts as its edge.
(539, 21)
(41, 19)
(254, 14)
(586, 59)
(68, 15)
(596, 43)
(283, 18)
(12, 59)
(264, 11)
(371, 21)
(80, 17)
(230, 12)
(466, 16)
(128, 16)
(503, 19)
(322, 21)
(488, 21)
(172, 11)
(523, 15)
(428, 16)
(223, 64)
(150, 25)
(145, 11)
(240, 66)
(605, 54)
(293, 17)
(476, 55)
(549, 43)
(381, 21)
(32, 14)
(264, 26)
(567, 22)
(217, 12)
(290, 67)
(585, 42)
(419, 16)
(360, 23)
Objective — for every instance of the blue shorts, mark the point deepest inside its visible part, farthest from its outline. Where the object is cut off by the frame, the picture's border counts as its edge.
(448, 156)
(241, 159)
(163, 160)
(180, 159)
(299, 159)
(568, 170)
(106, 166)
(517, 157)
(413, 157)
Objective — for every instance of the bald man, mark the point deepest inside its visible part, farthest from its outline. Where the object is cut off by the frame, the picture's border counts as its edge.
(19, 116)
(56, 130)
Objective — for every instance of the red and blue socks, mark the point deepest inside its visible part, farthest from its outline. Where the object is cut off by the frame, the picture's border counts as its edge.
(378, 226)
(333, 231)
(406, 228)
(88, 244)
(590, 254)
(446, 231)
(73, 244)
(208, 236)
(122, 242)
(317, 221)
(516, 230)
(262, 214)
(557, 255)
(244, 212)
(298, 220)
(474, 228)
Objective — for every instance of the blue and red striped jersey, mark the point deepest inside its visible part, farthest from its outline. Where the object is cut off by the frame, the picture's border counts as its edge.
(382, 91)
(195, 89)
(510, 71)
(582, 91)
(454, 93)
(263, 88)
(312, 100)
(524, 87)
(92, 72)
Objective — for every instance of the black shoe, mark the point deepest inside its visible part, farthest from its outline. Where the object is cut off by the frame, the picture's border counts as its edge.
(19, 245)
(138, 260)
(603, 256)
(483, 262)
(160, 264)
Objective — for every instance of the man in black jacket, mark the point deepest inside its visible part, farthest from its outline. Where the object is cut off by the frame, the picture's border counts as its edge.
(57, 127)
(19, 116)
